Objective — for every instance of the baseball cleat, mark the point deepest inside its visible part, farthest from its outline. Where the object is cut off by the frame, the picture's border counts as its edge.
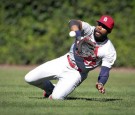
(45, 95)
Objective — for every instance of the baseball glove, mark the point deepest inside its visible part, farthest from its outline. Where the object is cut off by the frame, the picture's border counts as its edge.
(85, 48)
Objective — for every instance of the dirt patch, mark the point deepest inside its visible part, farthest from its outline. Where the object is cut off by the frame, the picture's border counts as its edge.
(124, 69)
(30, 67)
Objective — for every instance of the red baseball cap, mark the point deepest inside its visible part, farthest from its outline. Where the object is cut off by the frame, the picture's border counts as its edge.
(107, 21)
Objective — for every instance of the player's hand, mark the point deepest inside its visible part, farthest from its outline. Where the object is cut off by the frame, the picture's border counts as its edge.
(100, 87)
(78, 34)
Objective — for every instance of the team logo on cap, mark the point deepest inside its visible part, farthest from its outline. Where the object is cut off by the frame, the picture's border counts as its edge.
(105, 19)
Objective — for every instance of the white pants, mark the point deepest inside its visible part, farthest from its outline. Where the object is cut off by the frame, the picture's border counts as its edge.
(68, 77)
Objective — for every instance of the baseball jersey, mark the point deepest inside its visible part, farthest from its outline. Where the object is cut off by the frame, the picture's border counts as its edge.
(105, 52)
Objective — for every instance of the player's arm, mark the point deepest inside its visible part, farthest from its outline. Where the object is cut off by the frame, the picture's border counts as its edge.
(104, 75)
(76, 28)
(75, 25)
(102, 79)
(107, 63)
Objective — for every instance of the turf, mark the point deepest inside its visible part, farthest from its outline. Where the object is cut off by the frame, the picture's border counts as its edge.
(19, 98)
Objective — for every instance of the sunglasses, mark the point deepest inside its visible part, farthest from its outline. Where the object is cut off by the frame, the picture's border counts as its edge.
(103, 26)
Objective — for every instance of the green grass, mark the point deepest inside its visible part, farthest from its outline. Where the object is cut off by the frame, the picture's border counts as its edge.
(19, 98)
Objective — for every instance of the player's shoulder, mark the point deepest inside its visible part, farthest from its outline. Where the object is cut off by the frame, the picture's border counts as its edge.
(86, 24)
(108, 47)
(109, 44)
(106, 43)
(88, 29)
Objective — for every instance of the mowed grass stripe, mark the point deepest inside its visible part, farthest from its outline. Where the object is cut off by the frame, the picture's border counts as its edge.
(19, 98)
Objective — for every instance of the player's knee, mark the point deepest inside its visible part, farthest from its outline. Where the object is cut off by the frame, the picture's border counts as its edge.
(57, 97)
(27, 78)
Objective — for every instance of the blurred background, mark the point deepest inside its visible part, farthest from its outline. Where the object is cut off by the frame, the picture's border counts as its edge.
(35, 31)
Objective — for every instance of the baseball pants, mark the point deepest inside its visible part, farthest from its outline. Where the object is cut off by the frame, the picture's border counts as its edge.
(68, 77)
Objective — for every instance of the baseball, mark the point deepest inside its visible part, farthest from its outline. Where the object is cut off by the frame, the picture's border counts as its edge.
(72, 34)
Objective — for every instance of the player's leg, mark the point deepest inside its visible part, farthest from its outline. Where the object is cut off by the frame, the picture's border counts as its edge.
(48, 88)
(39, 75)
(48, 71)
(67, 83)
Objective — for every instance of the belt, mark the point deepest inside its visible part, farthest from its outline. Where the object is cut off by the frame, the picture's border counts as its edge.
(73, 65)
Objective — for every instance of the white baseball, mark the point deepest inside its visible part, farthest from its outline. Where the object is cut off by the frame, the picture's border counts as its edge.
(72, 34)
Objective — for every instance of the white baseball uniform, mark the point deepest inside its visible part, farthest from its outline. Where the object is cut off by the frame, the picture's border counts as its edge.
(71, 69)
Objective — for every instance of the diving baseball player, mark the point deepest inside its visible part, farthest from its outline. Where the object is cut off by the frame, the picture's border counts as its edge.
(91, 48)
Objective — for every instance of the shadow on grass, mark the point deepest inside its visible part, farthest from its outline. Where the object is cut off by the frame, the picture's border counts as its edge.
(86, 99)
(93, 99)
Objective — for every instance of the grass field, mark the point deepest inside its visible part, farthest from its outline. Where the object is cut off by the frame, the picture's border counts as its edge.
(19, 98)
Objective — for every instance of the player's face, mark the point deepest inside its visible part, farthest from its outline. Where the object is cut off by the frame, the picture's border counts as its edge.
(100, 30)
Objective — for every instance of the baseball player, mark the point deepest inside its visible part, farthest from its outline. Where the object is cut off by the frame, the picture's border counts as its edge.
(91, 48)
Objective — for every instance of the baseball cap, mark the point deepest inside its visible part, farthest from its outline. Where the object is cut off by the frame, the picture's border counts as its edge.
(107, 21)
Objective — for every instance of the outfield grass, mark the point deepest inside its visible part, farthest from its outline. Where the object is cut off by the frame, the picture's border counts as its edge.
(19, 98)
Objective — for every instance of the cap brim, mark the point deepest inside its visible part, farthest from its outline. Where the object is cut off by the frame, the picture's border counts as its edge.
(107, 28)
